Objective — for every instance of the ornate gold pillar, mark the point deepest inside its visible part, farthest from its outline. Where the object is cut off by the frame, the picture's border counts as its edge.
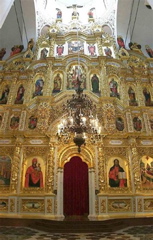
(16, 165)
(101, 168)
(135, 165)
(50, 169)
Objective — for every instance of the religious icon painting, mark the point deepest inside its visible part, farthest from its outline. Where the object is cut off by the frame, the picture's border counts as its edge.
(44, 52)
(108, 51)
(117, 173)
(151, 122)
(76, 75)
(20, 95)
(14, 122)
(132, 97)
(147, 97)
(38, 87)
(119, 124)
(4, 96)
(146, 171)
(5, 170)
(34, 173)
(113, 85)
(60, 50)
(75, 47)
(95, 83)
(58, 78)
(137, 124)
(1, 118)
(32, 124)
(92, 50)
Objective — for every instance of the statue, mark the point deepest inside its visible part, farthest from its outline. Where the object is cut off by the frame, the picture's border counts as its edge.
(59, 13)
(149, 51)
(75, 14)
(135, 46)
(2, 53)
(16, 49)
(90, 13)
(31, 44)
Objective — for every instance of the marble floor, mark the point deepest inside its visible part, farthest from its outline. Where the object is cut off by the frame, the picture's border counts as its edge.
(130, 233)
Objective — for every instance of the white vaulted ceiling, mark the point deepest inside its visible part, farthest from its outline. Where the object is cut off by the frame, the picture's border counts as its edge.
(19, 20)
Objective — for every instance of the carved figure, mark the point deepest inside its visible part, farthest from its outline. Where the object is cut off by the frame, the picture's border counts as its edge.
(120, 42)
(90, 13)
(135, 46)
(59, 13)
(16, 49)
(149, 51)
(2, 53)
(31, 44)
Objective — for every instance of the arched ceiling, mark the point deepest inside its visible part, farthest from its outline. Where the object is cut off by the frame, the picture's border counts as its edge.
(132, 19)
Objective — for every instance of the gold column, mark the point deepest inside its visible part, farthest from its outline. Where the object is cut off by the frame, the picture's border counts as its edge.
(135, 165)
(50, 169)
(16, 165)
(101, 169)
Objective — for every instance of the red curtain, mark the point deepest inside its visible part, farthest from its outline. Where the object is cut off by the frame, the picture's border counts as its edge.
(76, 190)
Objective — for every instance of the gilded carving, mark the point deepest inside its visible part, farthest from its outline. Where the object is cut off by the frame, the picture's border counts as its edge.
(50, 169)
(16, 166)
(12, 205)
(43, 116)
(32, 205)
(135, 165)
(101, 170)
(103, 206)
(49, 206)
(140, 205)
(3, 205)
(119, 205)
(148, 204)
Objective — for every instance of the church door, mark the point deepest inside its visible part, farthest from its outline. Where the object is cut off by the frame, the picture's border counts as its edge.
(76, 189)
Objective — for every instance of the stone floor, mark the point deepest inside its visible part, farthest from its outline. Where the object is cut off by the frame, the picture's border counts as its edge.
(130, 233)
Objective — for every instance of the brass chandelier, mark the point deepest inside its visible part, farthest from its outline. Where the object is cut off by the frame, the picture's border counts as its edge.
(81, 119)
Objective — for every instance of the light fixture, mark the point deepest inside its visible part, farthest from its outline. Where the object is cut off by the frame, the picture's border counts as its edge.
(81, 119)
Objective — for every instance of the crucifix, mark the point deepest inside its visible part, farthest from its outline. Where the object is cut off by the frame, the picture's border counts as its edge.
(75, 14)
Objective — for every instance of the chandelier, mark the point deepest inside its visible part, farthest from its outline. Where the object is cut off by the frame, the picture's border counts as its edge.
(81, 119)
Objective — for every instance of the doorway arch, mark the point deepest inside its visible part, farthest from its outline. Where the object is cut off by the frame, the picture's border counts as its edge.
(65, 154)
(76, 188)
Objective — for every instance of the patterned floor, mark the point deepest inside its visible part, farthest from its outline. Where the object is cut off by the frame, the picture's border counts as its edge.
(131, 233)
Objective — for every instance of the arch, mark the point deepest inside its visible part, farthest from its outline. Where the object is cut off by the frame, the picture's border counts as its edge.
(67, 153)
(76, 188)
(64, 157)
